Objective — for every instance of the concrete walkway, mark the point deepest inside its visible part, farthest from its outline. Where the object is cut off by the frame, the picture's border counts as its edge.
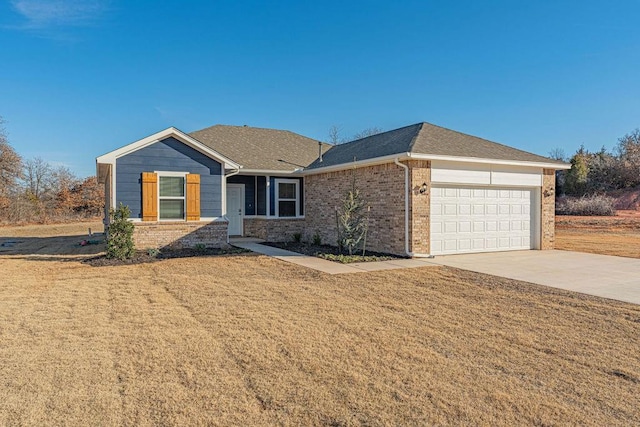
(600, 275)
(326, 266)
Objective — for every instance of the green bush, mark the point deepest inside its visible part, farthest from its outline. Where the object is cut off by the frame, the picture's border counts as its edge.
(120, 234)
(317, 240)
(297, 237)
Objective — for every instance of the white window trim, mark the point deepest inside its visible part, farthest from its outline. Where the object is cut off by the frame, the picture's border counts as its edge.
(183, 198)
(277, 199)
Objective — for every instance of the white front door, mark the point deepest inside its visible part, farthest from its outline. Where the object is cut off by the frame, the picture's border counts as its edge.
(235, 208)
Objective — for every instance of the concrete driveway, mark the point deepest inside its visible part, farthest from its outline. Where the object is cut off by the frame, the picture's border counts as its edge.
(600, 275)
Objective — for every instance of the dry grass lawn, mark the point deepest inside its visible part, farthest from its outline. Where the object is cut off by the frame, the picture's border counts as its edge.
(249, 340)
(619, 236)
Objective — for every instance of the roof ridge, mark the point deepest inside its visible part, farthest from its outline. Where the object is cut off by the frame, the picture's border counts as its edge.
(415, 137)
(371, 136)
(244, 127)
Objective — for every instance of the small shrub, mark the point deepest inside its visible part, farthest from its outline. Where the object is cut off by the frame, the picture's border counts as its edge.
(297, 237)
(352, 222)
(317, 240)
(200, 247)
(153, 252)
(596, 205)
(120, 234)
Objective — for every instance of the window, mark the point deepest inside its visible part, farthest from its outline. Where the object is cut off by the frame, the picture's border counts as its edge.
(287, 197)
(171, 196)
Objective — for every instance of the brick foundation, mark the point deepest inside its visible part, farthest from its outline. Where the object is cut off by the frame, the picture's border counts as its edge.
(178, 235)
(274, 229)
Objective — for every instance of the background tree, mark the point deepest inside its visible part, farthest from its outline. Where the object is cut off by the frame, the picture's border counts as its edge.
(559, 154)
(10, 170)
(335, 134)
(576, 177)
(366, 132)
(628, 150)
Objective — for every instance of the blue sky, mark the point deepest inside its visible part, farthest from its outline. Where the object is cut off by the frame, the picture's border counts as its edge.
(81, 78)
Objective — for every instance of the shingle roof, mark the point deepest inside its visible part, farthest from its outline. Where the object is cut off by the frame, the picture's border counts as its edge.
(259, 148)
(424, 138)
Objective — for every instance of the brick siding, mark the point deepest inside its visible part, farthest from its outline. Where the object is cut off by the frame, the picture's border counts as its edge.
(419, 205)
(548, 210)
(381, 186)
(274, 229)
(178, 235)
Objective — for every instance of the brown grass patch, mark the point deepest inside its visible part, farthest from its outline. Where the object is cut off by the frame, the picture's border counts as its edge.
(249, 340)
(615, 235)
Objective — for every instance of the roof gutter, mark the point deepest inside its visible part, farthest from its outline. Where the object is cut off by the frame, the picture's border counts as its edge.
(357, 163)
(224, 194)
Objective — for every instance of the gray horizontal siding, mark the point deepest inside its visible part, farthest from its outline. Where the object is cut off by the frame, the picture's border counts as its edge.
(168, 155)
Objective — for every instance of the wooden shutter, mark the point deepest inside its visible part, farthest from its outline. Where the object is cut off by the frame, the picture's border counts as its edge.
(193, 197)
(149, 196)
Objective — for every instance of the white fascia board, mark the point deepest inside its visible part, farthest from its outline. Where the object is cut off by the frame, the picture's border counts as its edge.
(490, 161)
(110, 158)
(356, 164)
(268, 172)
(406, 156)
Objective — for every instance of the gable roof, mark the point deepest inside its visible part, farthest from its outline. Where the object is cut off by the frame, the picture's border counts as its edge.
(429, 140)
(103, 162)
(259, 149)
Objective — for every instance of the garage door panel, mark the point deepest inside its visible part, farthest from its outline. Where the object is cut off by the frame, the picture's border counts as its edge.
(480, 219)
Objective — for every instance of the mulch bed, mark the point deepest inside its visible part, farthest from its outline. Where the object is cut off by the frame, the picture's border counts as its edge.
(332, 253)
(143, 257)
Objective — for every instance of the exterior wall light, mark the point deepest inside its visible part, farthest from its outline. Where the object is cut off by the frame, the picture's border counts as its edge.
(423, 188)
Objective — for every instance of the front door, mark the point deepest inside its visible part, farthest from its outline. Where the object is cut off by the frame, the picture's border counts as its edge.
(235, 207)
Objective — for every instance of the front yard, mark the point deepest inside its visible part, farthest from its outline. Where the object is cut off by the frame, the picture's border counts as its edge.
(249, 340)
(610, 235)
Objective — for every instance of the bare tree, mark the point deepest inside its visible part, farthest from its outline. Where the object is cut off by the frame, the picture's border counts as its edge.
(558, 154)
(628, 151)
(367, 132)
(10, 174)
(335, 137)
(38, 177)
(10, 164)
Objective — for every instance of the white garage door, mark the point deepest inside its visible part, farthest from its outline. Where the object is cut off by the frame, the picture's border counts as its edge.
(482, 219)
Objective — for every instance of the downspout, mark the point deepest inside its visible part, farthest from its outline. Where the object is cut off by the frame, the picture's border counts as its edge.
(235, 172)
(406, 205)
(406, 212)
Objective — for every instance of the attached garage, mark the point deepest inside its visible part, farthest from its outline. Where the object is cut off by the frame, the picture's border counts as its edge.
(468, 219)
(484, 208)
